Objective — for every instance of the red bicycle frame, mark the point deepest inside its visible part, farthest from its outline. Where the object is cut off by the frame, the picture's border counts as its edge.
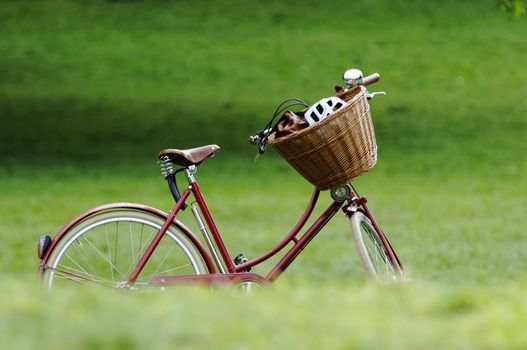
(240, 272)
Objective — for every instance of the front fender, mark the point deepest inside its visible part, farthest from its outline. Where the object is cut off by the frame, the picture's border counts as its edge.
(186, 231)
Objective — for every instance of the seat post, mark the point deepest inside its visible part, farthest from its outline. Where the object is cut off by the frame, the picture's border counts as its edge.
(189, 172)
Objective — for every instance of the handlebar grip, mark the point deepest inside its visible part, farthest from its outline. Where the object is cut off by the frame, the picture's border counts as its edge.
(371, 79)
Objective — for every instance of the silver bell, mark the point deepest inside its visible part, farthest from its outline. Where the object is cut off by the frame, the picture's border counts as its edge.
(352, 77)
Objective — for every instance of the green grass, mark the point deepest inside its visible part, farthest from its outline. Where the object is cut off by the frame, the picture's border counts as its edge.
(89, 93)
(462, 248)
(132, 77)
(446, 228)
(398, 317)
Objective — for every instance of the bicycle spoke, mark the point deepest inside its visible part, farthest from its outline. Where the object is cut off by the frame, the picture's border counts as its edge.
(131, 243)
(70, 278)
(116, 239)
(88, 277)
(140, 240)
(101, 242)
(103, 256)
(369, 247)
(109, 252)
(382, 256)
(173, 269)
(377, 253)
(164, 259)
(76, 278)
(80, 252)
(150, 238)
(166, 271)
(141, 252)
(77, 264)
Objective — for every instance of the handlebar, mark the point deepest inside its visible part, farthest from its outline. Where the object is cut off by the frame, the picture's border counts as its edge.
(368, 80)
(371, 79)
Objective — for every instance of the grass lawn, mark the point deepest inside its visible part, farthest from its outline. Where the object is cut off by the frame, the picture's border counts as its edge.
(89, 93)
(464, 254)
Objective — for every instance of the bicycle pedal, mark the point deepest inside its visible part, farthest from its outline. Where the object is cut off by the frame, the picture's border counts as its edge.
(241, 259)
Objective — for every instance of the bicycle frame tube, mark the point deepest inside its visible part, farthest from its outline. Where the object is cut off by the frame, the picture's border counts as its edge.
(299, 244)
(212, 226)
(360, 202)
(153, 245)
(290, 237)
(303, 241)
(285, 261)
(388, 247)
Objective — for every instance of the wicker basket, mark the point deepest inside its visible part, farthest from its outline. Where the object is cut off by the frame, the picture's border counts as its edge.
(336, 150)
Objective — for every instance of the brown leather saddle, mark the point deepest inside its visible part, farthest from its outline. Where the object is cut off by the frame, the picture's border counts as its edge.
(188, 157)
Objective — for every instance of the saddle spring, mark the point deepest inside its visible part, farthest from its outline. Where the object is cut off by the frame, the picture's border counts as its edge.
(167, 168)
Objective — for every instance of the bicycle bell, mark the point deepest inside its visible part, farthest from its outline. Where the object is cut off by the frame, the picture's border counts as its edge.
(352, 77)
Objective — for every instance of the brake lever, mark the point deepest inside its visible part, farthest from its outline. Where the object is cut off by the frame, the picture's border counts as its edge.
(261, 149)
(260, 141)
(260, 135)
(370, 96)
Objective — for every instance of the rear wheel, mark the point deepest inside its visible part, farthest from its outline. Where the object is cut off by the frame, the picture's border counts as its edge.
(372, 251)
(105, 248)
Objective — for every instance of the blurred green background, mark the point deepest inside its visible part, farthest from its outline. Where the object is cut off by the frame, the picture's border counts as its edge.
(91, 91)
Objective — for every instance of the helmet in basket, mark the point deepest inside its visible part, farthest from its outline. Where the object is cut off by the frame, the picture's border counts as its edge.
(322, 109)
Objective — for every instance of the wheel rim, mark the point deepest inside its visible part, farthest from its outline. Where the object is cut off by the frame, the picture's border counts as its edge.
(105, 252)
(380, 262)
(248, 286)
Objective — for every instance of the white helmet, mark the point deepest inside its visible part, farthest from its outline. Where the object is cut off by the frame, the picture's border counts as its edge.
(322, 109)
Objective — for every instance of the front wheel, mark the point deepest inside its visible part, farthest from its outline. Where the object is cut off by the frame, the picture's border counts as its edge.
(373, 253)
(104, 249)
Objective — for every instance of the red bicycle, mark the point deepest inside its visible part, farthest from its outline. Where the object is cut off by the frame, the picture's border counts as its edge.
(125, 245)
